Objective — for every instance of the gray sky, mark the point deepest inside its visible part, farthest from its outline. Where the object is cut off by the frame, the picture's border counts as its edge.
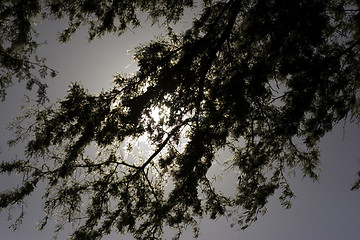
(322, 210)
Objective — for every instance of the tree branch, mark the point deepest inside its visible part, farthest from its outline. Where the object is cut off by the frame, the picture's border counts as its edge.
(164, 143)
(208, 59)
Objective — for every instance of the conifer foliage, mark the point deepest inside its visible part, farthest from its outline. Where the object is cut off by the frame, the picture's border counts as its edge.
(265, 79)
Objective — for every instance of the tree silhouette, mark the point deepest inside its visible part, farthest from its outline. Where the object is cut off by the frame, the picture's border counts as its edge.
(266, 79)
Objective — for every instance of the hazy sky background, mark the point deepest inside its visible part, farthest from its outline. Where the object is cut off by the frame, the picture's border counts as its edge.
(322, 210)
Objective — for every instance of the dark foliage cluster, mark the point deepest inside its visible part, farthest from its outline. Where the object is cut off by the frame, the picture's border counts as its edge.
(266, 79)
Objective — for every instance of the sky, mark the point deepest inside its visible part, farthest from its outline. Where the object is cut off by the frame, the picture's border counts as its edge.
(322, 210)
